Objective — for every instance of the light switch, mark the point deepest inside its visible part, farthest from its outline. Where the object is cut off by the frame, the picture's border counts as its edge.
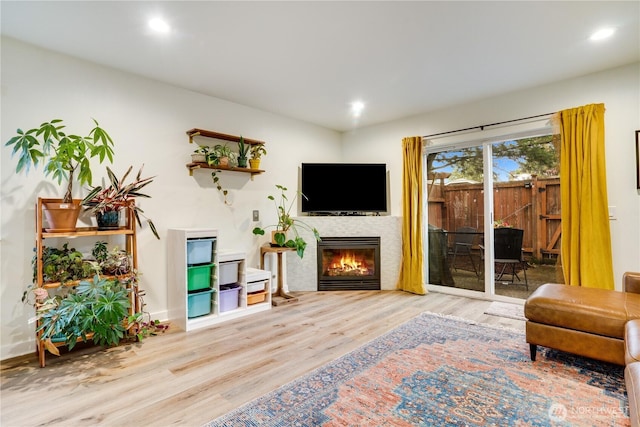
(256, 215)
(612, 212)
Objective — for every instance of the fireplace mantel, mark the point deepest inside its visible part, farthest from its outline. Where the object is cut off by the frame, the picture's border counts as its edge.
(301, 273)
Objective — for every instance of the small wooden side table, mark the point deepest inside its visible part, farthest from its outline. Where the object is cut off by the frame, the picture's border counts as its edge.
(280, 296)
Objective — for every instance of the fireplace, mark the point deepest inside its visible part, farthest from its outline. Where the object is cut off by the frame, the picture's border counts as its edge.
(348, 263)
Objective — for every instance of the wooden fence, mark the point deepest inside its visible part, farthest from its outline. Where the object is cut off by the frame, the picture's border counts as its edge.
(532, 205)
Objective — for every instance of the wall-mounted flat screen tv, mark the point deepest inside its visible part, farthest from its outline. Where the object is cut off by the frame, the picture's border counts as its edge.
(344, 188)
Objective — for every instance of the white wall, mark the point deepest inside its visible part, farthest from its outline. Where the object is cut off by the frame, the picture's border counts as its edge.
(618, 89)
(147, 121)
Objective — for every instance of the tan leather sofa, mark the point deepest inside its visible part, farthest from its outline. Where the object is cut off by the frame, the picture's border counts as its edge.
(596, 323)
(585, 321)
(632, 370)
(632, 353)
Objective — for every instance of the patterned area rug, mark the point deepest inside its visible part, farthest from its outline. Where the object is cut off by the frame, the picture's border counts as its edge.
(505, 309)
(439, 371)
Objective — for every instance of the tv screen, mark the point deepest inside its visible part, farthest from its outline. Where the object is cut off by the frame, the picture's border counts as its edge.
(344, 188)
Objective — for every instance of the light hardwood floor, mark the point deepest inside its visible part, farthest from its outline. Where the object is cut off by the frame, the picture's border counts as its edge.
(188, 379)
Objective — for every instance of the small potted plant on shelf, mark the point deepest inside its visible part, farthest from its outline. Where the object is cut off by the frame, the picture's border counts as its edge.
(68, 264)
(63, 265)
(200, 154)
(97, 307)
(222, 155)
(243, 150)
(257, 151)
(107, 202)
(67, 158)
(282, 235)
(114, 262)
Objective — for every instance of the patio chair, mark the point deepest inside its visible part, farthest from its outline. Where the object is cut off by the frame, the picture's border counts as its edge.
(463, 240)
(507, 247)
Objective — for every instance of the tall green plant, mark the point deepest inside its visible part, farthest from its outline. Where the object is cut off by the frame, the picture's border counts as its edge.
(243, 148)
(66, 154)
(243, 151)
(288, 223)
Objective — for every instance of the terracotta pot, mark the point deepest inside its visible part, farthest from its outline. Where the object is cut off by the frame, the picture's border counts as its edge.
(62, 217)
(273, 236)
(254, 163)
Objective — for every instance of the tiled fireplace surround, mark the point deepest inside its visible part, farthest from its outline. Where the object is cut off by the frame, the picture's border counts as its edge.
(301, 273)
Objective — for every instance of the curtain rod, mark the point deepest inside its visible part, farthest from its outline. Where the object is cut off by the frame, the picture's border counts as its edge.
(481, 127)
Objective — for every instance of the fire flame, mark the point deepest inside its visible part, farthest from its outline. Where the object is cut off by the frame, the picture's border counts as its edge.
(348, 263)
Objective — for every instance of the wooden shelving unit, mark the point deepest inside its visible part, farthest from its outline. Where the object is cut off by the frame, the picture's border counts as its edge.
(89, 231)
(195, 132)
(129, 233)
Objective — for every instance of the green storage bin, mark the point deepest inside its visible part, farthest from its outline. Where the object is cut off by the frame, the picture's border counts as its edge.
(199, 277)
(199, 303)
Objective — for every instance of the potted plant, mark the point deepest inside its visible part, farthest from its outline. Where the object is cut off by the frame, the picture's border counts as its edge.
(95, 308)
(106, 203)
(99, 307)
(286, 225)
(63, 265)
(222, 155)
(115, 262)
(200, 154)
(67, 158)
(243, 150)
(257, 151)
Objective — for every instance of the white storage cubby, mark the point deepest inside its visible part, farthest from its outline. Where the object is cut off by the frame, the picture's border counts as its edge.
(189, 310)
(258, 286)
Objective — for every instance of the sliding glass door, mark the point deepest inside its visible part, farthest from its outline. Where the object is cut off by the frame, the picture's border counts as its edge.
(456, 218)
(486, 228)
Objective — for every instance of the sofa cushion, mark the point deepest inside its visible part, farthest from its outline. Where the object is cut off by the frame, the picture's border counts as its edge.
(632, 341)
(631, 282)
(598, 311)
(632, 381)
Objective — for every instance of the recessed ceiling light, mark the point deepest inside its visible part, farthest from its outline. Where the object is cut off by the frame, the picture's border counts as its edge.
(356, 108)
(602, 34)
(159, 25)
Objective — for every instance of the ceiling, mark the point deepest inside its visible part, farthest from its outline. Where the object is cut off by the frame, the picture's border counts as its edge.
(310, 60)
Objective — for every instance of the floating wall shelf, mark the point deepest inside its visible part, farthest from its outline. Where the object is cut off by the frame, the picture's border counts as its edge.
(199, 165)
(217, 135)
(225, 137)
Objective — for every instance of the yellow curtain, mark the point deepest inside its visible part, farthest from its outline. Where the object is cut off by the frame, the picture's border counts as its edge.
(411, 268)
(586, 239)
